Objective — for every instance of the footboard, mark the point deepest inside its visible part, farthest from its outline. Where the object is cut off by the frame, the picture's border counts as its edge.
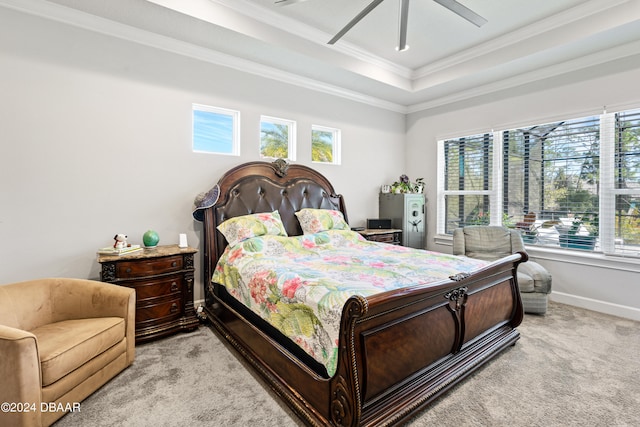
(401, 349)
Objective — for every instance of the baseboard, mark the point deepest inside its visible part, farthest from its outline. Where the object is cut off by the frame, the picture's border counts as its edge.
(596, 305)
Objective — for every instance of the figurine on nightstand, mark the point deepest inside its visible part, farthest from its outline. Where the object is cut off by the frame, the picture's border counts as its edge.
(120, 241)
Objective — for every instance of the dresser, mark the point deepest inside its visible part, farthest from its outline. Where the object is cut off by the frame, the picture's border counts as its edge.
(392, 236)
(163, 279)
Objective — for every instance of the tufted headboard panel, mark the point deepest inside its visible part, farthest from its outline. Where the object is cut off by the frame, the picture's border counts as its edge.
(257, 187)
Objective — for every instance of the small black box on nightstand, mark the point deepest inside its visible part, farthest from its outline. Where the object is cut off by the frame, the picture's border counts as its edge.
(384, 224)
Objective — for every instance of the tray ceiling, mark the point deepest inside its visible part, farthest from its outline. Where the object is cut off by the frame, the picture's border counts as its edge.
(449, 59)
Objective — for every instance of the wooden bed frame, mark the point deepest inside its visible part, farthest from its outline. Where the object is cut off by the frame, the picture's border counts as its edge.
(398, 350)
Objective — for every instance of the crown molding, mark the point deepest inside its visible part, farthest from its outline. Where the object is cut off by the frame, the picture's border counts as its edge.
(307, 32)
(538, 28)
(598, 58)
(86, 21)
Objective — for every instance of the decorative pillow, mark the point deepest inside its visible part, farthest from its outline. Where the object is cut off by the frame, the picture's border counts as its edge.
(240, 228)
(316, 220)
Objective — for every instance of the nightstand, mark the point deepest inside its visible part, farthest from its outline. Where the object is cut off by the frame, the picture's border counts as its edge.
(392, 235)
(163, 280)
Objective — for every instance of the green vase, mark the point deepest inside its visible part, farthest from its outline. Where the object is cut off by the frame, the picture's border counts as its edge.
(150, 239)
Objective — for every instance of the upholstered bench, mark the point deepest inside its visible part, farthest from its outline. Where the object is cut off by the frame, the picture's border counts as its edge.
(60, 340)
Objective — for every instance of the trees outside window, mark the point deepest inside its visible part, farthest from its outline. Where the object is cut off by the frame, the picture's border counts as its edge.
(325, 145)
(277, 138)
(581, 177)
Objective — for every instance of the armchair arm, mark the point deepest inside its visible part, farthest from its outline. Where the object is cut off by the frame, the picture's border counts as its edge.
(20, 371)
(540, 275)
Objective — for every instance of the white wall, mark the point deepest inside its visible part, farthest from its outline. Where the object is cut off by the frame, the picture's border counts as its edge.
(95, 137)
(593, 282)
(95, 140)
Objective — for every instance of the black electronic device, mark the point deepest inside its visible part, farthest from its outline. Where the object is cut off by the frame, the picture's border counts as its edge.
(384, 224)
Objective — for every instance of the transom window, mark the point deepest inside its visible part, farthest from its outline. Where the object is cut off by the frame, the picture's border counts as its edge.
(215, 130)
(325, 145)
(277, 138)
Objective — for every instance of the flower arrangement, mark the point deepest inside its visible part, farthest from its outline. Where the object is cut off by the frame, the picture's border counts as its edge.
(404, 185)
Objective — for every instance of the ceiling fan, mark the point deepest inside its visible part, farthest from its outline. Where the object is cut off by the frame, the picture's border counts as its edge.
(452, 5)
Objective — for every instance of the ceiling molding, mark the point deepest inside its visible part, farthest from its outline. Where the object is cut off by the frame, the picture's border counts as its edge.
(594, 59)
(450, 86)
(307, 32)
(514, 37)
(111, 28)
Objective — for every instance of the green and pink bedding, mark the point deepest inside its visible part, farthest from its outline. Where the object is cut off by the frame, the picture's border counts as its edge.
(300, 284)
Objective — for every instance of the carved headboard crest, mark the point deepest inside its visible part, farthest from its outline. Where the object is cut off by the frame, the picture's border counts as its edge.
(281, 166)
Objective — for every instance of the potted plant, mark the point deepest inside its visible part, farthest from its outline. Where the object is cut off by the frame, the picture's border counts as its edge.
(404, 185)
(581, 234)
(529, 235)
(418, 186)
(529, 229)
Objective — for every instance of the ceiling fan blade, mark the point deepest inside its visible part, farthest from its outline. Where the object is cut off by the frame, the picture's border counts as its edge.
(355, 20)
(463, 11)
(404, 17)
(286, 2)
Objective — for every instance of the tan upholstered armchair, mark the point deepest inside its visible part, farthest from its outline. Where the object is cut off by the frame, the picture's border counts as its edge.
(491, 243)
(60, 340)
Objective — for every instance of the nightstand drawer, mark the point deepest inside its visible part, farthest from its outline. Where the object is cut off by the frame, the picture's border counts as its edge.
(158, 287)
(391, 236)
(161, 311)
(382, 238)
(129, 269)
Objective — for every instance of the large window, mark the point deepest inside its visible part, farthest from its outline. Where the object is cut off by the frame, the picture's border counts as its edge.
(572, 184)
(621, 184)
(468, 181)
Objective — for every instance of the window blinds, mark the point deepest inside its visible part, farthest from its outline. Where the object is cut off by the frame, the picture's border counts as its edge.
(621, 183)
(552, 170)
(579, 178)
(468, 175)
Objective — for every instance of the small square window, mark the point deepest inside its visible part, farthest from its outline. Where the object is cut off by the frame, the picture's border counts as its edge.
(216, 130)
(325, 145)
(277, 138)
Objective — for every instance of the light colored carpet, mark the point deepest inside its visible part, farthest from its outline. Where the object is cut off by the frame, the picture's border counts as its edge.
(571, 367)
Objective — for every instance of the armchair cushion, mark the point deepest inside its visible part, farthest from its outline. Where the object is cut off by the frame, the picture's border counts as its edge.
(63, 346)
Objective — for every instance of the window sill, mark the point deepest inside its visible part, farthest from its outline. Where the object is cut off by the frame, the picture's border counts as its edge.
(594, 259)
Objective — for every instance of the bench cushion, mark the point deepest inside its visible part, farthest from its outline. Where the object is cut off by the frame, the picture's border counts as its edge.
(67, 345)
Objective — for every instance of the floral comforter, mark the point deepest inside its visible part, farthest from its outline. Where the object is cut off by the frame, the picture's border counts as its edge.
(300, 284)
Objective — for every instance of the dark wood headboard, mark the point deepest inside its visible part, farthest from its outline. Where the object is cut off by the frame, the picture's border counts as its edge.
(257, 187)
